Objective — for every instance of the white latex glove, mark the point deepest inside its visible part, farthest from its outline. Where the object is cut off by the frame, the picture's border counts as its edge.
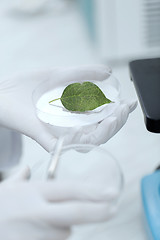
(18, 113)
(101, 132)
(47, 210)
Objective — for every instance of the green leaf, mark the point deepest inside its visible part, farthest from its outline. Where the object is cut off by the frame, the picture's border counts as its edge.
(81, 97)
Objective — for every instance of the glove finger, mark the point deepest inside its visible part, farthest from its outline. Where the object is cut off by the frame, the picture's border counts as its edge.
(47, 141)
(113, 124)
(105, 130)
(72, 213)
(65, 191)
(81, 73)
(132, 104)
(102, 132)
(23, 174)
(60, 233)
(55, 233)
(32, 229)
(42, 135)
(121, 116)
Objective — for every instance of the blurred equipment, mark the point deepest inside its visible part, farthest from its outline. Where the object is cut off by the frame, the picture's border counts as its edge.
(150, 188)
(28, 6)
(123, 30)
(146, 77)
(145, 74)
(34, 7)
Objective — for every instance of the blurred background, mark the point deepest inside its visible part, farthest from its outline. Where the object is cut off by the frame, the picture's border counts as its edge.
(38, 34)
(43, 33)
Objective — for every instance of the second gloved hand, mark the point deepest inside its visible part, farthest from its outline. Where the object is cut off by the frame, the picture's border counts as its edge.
(47, 210)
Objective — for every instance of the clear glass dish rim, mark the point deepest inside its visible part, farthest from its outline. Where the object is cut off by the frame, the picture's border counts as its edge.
(98, 148)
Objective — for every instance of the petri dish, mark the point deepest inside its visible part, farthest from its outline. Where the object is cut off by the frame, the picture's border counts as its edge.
(55, 116)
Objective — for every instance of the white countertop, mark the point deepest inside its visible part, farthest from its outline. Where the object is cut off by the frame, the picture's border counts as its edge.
(60, 39)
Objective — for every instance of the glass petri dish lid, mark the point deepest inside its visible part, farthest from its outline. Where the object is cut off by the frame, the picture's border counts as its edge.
(88, 165)
(56, 115)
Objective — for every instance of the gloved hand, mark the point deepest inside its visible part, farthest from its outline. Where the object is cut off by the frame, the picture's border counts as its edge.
(18, 113)
(101, 132)
(47, 210)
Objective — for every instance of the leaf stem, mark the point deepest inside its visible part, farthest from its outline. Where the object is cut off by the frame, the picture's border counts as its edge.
(54, 100)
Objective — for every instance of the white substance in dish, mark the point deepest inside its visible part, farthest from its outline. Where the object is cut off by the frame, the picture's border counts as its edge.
(55, 113)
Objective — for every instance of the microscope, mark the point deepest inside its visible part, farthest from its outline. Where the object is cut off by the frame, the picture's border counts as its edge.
(145, 74)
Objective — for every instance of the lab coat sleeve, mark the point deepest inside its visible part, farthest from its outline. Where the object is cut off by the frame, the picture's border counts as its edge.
(10, 148)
